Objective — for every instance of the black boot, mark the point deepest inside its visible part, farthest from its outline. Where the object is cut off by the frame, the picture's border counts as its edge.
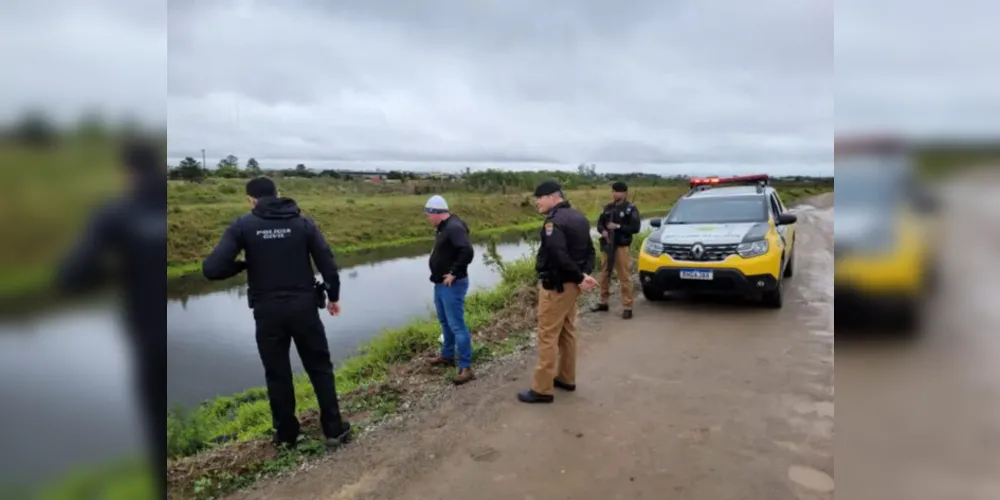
(599, 308)
(627, 314)
(530, 396)
(340, 439)
(563, 385)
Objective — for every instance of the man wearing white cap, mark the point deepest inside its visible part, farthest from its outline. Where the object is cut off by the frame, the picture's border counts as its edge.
(449, 265)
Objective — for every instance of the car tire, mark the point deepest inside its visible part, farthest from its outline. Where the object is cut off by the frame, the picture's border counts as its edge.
(907, 320)
(652, 294)
(774, 298)
(790, 266)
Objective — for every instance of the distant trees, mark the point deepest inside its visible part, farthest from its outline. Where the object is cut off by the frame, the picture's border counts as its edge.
(587, 170)
(189, 170)
(253, 168)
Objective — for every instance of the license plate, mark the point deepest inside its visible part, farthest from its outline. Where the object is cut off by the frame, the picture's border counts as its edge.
(696, 274)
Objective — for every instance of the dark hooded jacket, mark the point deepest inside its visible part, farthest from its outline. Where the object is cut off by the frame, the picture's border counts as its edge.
(280, 247)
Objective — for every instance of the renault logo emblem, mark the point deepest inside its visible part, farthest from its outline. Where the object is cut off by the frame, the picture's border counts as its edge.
(697, 250)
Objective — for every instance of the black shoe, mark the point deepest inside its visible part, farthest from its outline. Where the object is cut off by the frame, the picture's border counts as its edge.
(563, 385)
(627, 314)
(530, 396)
(599, 308)
(343, 438)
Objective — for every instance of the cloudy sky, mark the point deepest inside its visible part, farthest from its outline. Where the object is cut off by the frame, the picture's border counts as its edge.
(718, 81)
(519, 80)
(66, 56)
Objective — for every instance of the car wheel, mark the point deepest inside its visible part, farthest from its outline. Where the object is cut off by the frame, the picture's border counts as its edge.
(652, 294)
(773, 299)
(790, 267)
(906, 320)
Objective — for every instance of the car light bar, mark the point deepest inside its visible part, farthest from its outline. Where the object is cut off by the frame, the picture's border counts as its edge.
(739, 179)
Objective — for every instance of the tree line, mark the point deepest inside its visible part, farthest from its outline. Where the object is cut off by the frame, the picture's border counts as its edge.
(490, 180)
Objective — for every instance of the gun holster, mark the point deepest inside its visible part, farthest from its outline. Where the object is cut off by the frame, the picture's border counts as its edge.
(319, 289)
(549, 282)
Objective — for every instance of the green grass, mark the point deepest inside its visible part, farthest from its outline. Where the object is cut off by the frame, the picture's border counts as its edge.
(353, 224)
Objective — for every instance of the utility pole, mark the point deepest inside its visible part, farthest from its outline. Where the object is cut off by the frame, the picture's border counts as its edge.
(203, 164)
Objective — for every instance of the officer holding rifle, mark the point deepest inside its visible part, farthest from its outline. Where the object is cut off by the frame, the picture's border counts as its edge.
(618, 223)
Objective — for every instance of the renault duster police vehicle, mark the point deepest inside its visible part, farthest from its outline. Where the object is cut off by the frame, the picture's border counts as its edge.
(726, 235)
(887, 230)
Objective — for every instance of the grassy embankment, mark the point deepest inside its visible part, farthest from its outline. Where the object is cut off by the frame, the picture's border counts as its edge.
(47, 195)
(198, 213)
(373, 384)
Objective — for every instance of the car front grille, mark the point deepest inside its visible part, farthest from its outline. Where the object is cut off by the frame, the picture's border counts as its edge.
(713, 253)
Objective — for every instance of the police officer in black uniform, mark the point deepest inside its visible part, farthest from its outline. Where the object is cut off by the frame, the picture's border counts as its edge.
(280, 247)
(618, 223)
(130, 231)
(564, 263)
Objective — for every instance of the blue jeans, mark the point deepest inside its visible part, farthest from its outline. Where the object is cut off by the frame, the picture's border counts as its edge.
(449, 301)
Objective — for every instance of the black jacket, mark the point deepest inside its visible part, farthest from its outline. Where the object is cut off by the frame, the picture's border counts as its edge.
(627, 216)
(453, 251)
(280, 247)
(567, 251)
(131, 231)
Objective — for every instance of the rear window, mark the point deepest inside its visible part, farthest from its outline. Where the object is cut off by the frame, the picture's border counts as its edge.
(718, 210)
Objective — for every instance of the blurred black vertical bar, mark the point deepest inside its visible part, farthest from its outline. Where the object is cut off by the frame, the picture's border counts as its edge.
(131, 233)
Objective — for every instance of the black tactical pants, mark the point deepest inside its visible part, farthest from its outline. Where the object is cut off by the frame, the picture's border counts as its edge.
(277, 327)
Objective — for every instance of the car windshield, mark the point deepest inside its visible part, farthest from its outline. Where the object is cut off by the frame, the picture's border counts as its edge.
(718, 210)
(869, 181)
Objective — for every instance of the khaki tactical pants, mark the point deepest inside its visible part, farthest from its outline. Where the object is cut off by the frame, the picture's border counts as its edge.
(556, 337)
(623, 269)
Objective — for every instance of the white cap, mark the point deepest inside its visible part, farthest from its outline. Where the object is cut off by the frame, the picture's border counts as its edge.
(436, 202)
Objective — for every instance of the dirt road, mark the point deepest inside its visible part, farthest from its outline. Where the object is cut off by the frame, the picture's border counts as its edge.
(924, 415)
(690, 400)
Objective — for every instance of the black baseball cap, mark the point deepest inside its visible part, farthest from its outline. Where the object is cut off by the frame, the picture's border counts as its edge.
(548, 187)
(619, 187)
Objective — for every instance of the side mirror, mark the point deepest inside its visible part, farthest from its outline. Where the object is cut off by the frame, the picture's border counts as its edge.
(657, 222)
(786, 219)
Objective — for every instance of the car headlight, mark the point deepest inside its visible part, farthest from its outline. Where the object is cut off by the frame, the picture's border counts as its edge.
(752, 249)
(651, 247)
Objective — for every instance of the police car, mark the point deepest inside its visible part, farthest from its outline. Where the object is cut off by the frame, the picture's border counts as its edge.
(729, 235)
(887, 233)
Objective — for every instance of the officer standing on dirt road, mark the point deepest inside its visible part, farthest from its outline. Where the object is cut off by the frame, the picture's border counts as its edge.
(564, 263)
(618, 223)
(280, 247)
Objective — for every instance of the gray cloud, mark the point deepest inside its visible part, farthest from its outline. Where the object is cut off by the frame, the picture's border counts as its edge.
(921, 67)
(67, 57)
(490, 80)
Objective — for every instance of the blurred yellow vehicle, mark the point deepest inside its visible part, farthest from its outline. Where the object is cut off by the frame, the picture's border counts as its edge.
(726, 236)
(886, 252)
